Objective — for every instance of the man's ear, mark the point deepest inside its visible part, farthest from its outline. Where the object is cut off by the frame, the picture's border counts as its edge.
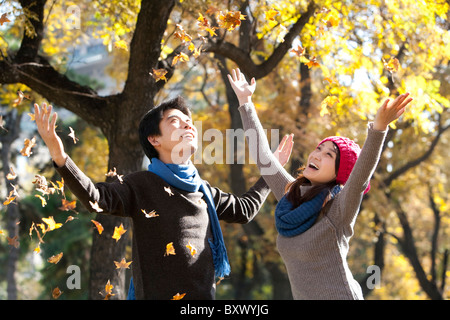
(154, 141)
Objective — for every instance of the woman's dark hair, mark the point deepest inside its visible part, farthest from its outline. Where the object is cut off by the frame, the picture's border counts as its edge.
(149, 125)
(293, 189)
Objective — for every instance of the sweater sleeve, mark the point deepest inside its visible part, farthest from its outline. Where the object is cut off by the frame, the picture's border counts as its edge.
(349, 199)
(271, 170)
(112, 198)
(240, 209)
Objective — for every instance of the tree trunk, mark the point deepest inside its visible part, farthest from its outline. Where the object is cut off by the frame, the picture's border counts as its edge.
(12, 210)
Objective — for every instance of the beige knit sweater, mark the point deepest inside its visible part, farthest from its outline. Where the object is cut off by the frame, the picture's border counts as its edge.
(316, 260)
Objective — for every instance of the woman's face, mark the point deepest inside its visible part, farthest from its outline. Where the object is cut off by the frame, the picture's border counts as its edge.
(321, 166)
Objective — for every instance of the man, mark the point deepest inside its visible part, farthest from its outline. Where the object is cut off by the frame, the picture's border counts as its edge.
(177, 242)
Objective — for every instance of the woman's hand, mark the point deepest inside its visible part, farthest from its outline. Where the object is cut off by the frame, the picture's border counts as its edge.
(284, 149)
(390, 111)
(47, 131)
(241, 87)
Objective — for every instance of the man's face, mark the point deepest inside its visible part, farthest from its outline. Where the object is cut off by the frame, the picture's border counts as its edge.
(178, 139)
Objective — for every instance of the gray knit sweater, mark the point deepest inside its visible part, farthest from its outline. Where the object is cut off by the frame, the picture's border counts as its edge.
(316, 260)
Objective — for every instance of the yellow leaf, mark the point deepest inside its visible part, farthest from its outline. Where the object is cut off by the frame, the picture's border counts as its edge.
(52, 225)
(121, 44)
(270, 14)
(118, 232)
(392, 65)
(43, 201)
(170, 250)
(230, 20)
(191, 248)
(180, 57)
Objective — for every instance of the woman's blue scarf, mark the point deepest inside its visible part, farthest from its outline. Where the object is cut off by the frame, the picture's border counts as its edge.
(292, 222)
(187, 178)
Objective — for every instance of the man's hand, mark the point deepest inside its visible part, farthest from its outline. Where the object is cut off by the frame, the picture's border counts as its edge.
(284, 149)
(241, 87)
(390, 111)
(47, 131)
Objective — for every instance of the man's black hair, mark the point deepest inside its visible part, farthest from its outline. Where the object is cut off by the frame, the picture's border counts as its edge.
(149, 125)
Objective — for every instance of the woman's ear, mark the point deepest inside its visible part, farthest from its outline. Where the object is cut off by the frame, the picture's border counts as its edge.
(154, 141)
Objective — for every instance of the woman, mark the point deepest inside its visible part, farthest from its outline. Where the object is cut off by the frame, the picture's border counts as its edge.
(317, 210)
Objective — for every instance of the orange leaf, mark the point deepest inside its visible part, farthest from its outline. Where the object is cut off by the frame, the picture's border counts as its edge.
(123, 264)
(99, 226)
(180, 57)
(312, 62)
(230, 20)
(178, 296)
(68, 205)
(56, 258)
(56, 293)
(13, 241)
(118, 232)
(28, 144)
(392, 65)
(159, 74)
(170, 250)
(4, 19)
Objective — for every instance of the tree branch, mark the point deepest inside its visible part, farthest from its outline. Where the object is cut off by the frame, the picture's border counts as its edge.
(145, 47)
(242, 58)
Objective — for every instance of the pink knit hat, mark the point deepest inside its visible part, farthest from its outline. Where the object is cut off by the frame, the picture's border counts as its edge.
(349, 152)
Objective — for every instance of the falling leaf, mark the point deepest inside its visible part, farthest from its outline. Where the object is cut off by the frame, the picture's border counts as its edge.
(312, 62)
(328, 102)
(191, 248)
(159, 74)
(13, 241)
(123, 264)
(181, 34)
(195, 52)
(72, 135)
(99, 226)
(392, 65)
(121, 44)
(170, 250)
(9, 199)
(95, 206)
(332, 19)
(52, 225)
(11, 175)
(113, 173)
(108, 290)
(118, 232)
(43, 201)
(56, 293)
(37, 249)
(204, 24)
(70, 218)
(270, 14)
(20, 97)
(151, 214)
(300, 51)
(4, 19)
(182, 57)
(230, 20)
(56, 258)
(178, 296)
(68, 205)
(32, 116)
(28, 144)
(168, 190)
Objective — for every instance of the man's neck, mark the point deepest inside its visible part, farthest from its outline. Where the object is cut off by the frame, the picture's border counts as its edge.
(167, 158)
